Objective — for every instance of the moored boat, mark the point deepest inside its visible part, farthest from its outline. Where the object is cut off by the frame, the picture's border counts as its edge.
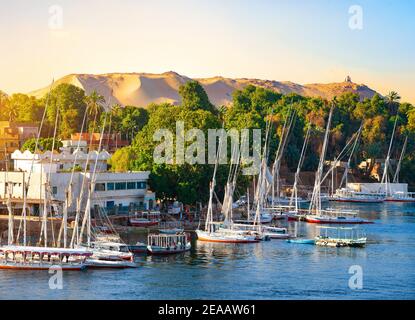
(226, 237)
(142, 222)
(162, 244)
(340, 237)
(42, 258)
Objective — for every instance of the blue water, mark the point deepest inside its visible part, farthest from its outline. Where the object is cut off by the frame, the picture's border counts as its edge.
(267, 270)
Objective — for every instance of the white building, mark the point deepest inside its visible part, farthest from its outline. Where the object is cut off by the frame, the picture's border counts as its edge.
(122, 190)
(72, 145)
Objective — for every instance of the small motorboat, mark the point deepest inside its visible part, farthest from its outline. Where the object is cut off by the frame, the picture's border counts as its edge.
(111, 251)
(302, 241)
(275, 232)
(139, 247)
(162, 244)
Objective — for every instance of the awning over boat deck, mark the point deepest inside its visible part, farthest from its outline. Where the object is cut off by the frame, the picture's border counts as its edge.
(47, 250)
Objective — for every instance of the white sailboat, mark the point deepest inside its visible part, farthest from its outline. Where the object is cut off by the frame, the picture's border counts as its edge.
(330, 216)
(400, 196)
(105, 254)
(225, 231)
(17, 256)
(345, 194)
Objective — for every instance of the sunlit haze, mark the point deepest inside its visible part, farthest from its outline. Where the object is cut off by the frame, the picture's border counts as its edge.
(295, 41)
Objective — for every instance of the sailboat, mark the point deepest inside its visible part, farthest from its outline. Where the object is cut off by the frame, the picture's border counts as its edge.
(345, 194)
(106, 253)
(293, 213)
(399, 196)
(315, 213)
(17, 256)
(223, 231)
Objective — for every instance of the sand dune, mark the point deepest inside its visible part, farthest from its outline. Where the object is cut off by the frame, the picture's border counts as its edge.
(141, 89)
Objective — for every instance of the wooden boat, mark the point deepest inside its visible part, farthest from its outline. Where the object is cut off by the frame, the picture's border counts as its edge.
(143, 222)
(347, 195)
(42, 258)
(349, 238)
(401, 197)
(226, 236)
(162, 244)
(139, 247)
(334, 216)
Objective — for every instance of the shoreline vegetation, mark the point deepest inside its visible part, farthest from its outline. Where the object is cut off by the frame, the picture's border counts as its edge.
(250, 109)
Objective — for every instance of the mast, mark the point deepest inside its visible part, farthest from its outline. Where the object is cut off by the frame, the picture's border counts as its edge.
(9, 192)
(398, 168)
(316, 197)
(294, 194)
(87, 216)
(385, 177)
(346, 171)
(280, 150)
(27, 185)
(209, 214)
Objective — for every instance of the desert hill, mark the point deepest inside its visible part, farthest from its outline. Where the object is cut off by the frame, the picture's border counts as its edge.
(141, 89)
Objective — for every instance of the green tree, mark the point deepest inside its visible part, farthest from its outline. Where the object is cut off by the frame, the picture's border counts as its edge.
(70, 101)
(44, 144)
(194, 97)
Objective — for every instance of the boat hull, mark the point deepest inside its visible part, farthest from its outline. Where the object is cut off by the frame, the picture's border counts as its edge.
(211, 237)
(357, 200)
(22, 266)
(143, 223)
(154, 250)
(106, 264)
(329, 220)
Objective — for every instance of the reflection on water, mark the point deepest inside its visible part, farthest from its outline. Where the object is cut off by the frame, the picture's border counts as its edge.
(268, 270)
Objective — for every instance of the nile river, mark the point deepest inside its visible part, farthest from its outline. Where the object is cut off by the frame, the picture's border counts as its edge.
(268, 270)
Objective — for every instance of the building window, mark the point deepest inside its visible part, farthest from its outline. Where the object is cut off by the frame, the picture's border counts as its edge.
(100, 187)
(130, 185)
(110, 204)
(120, 186)
(61, 166)
(141, 185)
(55, 190)
(110, 186)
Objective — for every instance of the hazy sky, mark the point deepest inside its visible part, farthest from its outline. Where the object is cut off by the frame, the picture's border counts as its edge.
(301, 41)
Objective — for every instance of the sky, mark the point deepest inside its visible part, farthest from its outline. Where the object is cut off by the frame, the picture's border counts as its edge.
(303, 41)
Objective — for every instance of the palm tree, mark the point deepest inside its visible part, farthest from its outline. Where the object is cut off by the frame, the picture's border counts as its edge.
(94, 104)
(392, 99)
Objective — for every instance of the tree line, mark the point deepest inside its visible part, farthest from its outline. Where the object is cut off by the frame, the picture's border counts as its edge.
(251, 108)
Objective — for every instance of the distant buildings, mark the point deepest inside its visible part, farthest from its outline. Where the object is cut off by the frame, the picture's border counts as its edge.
(51, 179)
(12, 137)
(110, 142)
